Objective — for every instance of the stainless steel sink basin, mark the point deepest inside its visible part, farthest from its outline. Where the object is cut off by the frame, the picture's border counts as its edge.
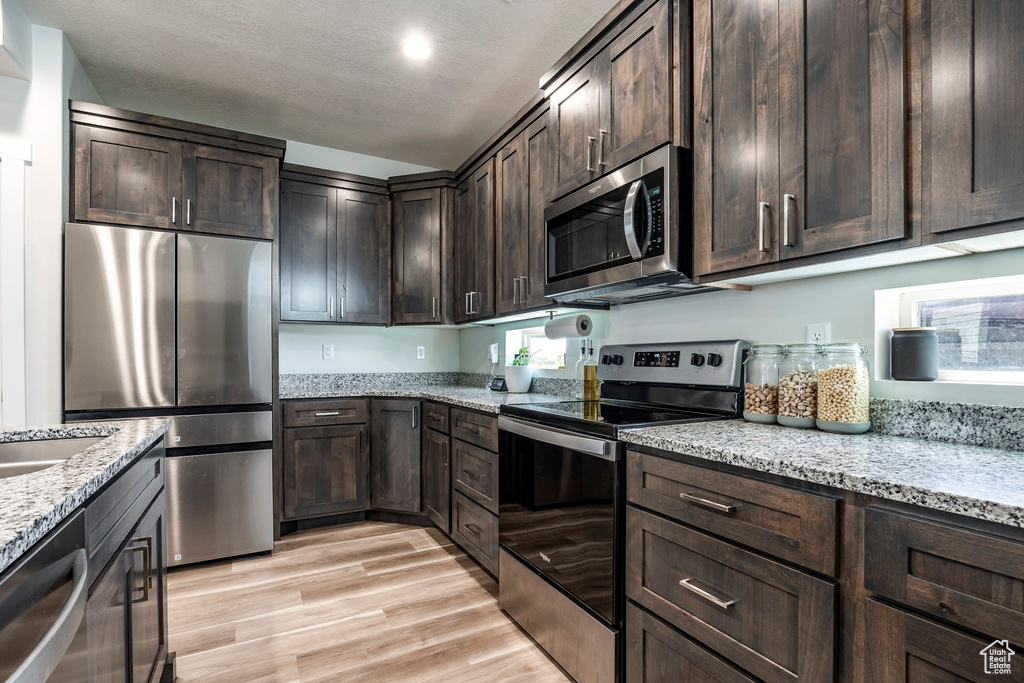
(23, 457)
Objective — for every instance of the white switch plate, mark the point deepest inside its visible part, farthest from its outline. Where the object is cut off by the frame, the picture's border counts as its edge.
(421, 352)
(328, 351)
(493, 352)
(819, 333)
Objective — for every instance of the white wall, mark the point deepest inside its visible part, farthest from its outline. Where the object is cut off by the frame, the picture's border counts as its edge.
(348, 162)
(778, 313)
(35, 112)
(367, 349)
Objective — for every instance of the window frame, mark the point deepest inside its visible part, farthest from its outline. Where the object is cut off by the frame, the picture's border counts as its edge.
(525, 335)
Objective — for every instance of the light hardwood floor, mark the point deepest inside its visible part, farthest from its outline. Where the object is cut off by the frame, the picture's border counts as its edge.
(366, 603)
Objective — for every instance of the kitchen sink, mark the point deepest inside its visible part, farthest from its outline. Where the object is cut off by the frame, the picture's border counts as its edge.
(23, 457)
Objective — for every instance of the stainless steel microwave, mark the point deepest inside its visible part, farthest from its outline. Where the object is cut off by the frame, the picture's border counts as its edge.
(626, 237)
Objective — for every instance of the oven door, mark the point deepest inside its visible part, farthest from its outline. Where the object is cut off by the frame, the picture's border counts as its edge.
(561, 510)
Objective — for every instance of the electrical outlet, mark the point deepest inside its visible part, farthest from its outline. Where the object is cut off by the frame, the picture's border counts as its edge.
(493, 352)
(328, 351)
(819, 333)
(421, 352)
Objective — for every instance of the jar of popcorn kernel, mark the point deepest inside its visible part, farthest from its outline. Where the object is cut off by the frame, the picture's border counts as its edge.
(843, 386)
(761, 388)
(798, 386)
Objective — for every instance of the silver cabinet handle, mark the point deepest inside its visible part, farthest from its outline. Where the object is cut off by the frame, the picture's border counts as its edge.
(415, 417)
(433, 308)
(341, 307)
(601, 135)
(637, 193)
(188, 212)
(515, 291)
(147, 563)
(332, 413)
(472, 529)
(763, 210)
(468, 310)
(472, 302)
(787, 201)
(47, 654)
(714, 600)
(590, 152)
(330, 313)
(523, 283)
(174, 210)
(710, 504)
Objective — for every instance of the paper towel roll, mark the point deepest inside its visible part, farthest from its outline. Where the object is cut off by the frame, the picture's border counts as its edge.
(569, 326)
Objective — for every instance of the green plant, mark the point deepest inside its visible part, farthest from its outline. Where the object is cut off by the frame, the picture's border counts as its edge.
(522, 357)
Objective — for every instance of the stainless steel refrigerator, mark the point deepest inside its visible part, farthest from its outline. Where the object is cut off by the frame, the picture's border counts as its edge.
(179, 325)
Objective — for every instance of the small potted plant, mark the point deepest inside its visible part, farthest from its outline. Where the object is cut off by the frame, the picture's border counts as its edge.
(519, 375)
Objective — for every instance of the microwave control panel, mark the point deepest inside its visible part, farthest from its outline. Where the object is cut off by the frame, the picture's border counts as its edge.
(655, 193)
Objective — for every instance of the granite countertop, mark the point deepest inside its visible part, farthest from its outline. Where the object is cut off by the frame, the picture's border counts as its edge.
(986, 483)
(33, 504)
(466, 397)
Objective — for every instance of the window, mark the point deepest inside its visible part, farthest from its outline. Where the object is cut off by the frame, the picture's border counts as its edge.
(546, 354)
(980, 326)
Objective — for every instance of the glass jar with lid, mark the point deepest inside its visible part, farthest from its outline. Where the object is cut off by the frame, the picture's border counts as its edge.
(798, 386)
(843, 389)
(761, 384)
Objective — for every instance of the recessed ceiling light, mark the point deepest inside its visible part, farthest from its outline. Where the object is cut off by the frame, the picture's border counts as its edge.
(416, 47)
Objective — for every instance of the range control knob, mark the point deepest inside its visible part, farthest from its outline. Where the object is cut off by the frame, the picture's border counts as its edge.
(606, 360)
(697, 359)
(714, 360)
(616, 359)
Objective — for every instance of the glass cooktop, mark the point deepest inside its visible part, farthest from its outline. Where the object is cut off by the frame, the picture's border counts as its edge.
(606, 416)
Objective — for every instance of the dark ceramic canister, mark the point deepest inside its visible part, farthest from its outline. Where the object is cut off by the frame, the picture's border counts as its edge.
(914, 354)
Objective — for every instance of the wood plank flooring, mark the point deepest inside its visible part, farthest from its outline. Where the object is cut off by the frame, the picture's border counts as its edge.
(365, 603)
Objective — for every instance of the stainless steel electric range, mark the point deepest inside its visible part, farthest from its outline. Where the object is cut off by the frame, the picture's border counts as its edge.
(563, 492)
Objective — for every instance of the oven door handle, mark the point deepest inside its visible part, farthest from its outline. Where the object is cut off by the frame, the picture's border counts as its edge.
(637, 194)
(601, 448)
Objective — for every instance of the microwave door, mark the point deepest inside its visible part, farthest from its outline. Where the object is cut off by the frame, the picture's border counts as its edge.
(224, 321)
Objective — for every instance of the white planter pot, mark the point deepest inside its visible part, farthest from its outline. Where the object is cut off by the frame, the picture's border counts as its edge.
(518, 378)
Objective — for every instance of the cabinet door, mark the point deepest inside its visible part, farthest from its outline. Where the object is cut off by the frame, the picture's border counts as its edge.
(437, 480)
(512, 225)
(127, 179)
(575, 117)
(540, 174)
(736, 134)
(309, 262)
(229, 192)
(465, 251)
(108, 616)
(639, 102)
(149, 592)
(976, 102)
(483, 221)
(396, 456)
(842, 124)
(364, 246)
(417, 254)
(325, 470)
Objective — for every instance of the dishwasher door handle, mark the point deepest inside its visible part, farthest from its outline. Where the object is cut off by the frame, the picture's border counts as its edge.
(43, 660)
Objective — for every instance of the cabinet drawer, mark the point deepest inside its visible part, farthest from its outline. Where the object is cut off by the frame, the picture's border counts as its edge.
(775, 622)
(436, 416)
(657, 653)
(476, 531)
(960, 576)
(325, 413)
(475, 474)
(791, 525)
(905, 648)
(475, 428)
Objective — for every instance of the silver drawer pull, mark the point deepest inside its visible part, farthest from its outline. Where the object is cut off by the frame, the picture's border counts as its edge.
(474, 476)
(716, 601)
(710, 504)
(333, 413)
(472, 529)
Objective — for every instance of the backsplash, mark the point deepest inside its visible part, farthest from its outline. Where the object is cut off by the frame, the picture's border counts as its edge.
(351, 382)
(964, 423)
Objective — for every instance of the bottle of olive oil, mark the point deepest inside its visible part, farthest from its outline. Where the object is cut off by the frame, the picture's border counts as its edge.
(590, 392)
(578, 384)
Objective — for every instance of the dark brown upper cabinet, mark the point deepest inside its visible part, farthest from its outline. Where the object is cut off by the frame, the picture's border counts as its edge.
(618, 105)
(154, 172)
(524, 173)
(974, 98)
(335, 247)
(799, 129)
(419, 261)
(474, 245)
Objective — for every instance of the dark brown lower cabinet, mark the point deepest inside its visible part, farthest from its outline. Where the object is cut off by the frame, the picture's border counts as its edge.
(476, 531)
(437, 479)
(905, 648)
(107, 617)
(396, 456)
(325, 470)
(657, 653)
(148, 589)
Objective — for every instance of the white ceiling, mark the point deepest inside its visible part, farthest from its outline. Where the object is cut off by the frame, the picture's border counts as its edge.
(326, 72)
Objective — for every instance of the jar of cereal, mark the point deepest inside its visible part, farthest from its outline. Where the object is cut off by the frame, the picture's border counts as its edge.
(843, 386)
(798, 386)
(761, 399)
